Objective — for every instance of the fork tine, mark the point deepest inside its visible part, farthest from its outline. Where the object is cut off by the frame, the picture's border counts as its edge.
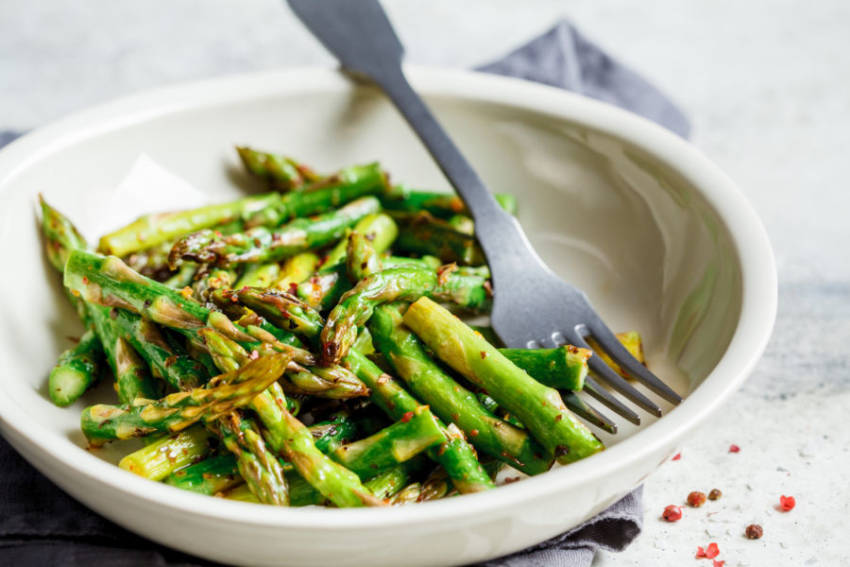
(588, 412)
(611, 378)
(618, 352)
(604, 396)
(614, 380)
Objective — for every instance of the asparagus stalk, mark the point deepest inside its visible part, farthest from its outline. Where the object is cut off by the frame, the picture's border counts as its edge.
(361, 258)
(164, 456)
(394, 284)
(563, 368)
(300, 493)
(102, 423)
(258, 275)
(443, 205)
(289, 437)
(423, 234)
(456, 455)
(407, 495)
(348, 184)
(389, 482)
(425, 262)
(413, 433)
(261, 244)
(448, 399)
(278, 307)
(379, 228)
(183, 277)
(539, 407)
(209, 476)
(462, 223)
(177, 368)
(153, 229)
(108, 281)
(280, 172)
(333, 382)
(324, 289)
(78, 367)
(132, 377)
(76, 370)
(256, 463)
(296, 270)
(213, 280)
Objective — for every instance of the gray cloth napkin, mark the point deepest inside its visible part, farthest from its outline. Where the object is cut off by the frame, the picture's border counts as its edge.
(41, 525)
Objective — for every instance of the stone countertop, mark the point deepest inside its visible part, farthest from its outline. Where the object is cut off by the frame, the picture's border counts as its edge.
(766, 86)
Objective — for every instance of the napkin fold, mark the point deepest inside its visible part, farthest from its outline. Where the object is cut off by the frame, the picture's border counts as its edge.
(41, 525)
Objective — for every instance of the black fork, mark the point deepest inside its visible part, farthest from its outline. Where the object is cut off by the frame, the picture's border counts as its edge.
(532, 306)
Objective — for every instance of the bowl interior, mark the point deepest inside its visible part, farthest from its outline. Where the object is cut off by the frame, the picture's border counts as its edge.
(608, 217)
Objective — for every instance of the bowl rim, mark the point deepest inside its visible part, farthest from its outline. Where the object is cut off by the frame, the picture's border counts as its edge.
(748, 236)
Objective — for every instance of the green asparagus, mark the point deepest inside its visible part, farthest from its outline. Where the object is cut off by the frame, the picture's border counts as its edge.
(394, 284)
(280, 172)
(450, 400)
(164, 456)
(563, 368)
(76, 370)
(539, 407)
(261, 244)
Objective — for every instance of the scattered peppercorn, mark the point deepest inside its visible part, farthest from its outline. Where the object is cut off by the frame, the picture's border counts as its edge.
(754, 531)
(715, 494)
(787, 503)
(734, 448)
(696, 499)
(709, 552)
(672, 513)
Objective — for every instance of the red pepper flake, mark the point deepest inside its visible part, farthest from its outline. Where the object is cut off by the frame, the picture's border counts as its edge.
(718, 563)
(709, 552)
(473, 433)
(734, 448)
(512, 479)
(407, 417)
(672, 513)
(85, 280)
(696, 499)
(787, 503)
(676, 457)
(483, 355)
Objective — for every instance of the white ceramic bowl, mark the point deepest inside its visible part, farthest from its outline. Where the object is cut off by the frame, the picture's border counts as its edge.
(661, 240)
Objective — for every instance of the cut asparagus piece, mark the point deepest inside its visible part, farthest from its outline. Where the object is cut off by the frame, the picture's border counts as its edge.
(633, 343)
(209, 476)
(448, 399)
(410, 494)
(164, 456)
(293, 440)
(563, 368)
(296, 270)
(76, 370)
(212, 281)
(421, 233)
(456, 455)
(102, 423)
(333, 382)
(258, 275)
(149, 230)
(361, 258)
(379, 228)
(539, 407)
(443, 205)
(280, 172)
(261, 244)
(413, 433)
(348, 184)
(394, 284)
(183, 277)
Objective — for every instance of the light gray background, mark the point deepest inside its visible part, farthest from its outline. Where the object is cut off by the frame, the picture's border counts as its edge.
(767, 85)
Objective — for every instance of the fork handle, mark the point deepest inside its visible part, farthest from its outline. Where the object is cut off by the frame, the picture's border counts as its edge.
(362, 38)
(498, 232)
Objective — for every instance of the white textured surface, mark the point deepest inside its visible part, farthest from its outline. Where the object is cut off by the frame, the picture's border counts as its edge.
(766, 86)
